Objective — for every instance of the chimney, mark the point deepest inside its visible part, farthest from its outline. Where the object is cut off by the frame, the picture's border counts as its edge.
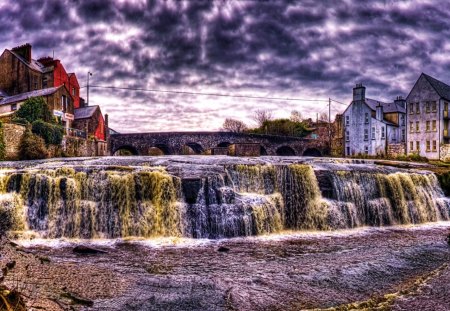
(82, 102)
(399, 101)
(24, 51)
(379, 112)
(359, 92)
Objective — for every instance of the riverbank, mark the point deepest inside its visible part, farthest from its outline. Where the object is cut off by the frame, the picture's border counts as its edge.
(399, 268)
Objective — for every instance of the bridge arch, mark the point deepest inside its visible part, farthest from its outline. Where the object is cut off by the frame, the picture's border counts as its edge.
(159, 149)
(126, 150)
(262, 150)
(312, 152)
(192, 148)
(285, 151)
(223, 144)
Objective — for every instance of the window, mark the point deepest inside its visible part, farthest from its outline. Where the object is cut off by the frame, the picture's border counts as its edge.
(35, 83)
(347, 135)
(411, 108)
(383, 134)
(366, 134)
(44, 82)
(434, 145)
(347, 120)
(418, 146)
(13, 107)
(428, 146)
(433, 106)
(417, 108)
(402, 120)
(417, 126)
(445, 106)
(367, 118)
(348, 150)
(411, 146)
(366, 149)
(73, 91)
(427, 126)
(434, 126)
(411, 127)
(427, 105)
(403, 135)
(373, 133)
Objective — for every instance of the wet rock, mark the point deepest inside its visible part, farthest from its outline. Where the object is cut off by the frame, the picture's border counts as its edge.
(10, 265)
(223, 249)
(83, 249)
(74, 299)
(191, 188)
(448, 239)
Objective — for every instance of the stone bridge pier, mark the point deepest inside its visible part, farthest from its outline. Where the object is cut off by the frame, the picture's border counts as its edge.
(177, 143)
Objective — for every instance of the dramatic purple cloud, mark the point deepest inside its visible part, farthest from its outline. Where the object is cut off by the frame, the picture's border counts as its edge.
(304, 49)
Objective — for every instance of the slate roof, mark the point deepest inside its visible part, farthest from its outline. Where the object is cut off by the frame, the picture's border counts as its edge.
(25, 96)
(441, 88)
(387, 107)
(85, 112)
(34, 64)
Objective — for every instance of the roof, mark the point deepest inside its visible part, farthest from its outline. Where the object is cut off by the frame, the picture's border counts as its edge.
(441, 88)
(85, 112)
(25, 96)
(34, 64)
(387, 107)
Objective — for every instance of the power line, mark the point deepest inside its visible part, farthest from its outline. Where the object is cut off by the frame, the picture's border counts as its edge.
(206, 94)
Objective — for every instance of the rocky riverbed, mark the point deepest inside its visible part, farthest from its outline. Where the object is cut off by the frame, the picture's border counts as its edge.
(392, 268)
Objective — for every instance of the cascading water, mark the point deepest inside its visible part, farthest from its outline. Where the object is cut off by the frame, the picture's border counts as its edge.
(215, 199)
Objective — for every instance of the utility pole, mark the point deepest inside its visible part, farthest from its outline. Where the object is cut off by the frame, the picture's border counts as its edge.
(87, 88)
(329, 121)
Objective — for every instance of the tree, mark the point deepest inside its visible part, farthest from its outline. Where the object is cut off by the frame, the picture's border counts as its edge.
(323, 117)
(233, 125)
(296, 116)
(33, 109)
(262, 116)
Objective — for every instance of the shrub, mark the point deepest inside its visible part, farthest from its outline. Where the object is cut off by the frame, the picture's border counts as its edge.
(33, 109)
(32, 147)
(19, 120)
(282, 127)
(52, 134)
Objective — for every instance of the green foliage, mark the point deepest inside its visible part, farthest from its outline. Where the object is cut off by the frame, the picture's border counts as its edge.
(33, 109)
(2, 143)
(52, 134)
(19, 120)
(415, 157)
(32, 147)
(282, 127)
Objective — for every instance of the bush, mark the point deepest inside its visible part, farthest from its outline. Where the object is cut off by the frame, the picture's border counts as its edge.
(33, 109)
(19, 120)
(52, 134)
(282, 127)
(32, 147)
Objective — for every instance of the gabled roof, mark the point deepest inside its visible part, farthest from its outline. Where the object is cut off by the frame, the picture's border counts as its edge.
(34, 64)
(24, 96)
(387, 107)
(85, 112)
(441, 88)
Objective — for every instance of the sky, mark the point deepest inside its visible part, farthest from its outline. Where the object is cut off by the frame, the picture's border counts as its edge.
(311, 50)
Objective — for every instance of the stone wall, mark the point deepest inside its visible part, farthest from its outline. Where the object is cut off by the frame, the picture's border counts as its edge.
(80, 147)
(244, 150)
(445, 152)
(394, 150)
(12, 135)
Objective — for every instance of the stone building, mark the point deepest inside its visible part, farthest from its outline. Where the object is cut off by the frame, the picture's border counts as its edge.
(428, 118)
(373, 127)
(58, 100)
(90, 120)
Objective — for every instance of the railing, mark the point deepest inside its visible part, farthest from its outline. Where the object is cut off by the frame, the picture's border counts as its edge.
(74, 132)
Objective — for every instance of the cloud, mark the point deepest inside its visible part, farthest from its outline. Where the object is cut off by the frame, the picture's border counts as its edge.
(304, 49)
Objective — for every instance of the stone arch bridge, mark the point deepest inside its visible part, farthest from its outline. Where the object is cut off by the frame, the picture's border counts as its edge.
(175, 143)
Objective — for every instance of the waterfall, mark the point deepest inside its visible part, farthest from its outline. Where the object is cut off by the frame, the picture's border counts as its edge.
(235, 200)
